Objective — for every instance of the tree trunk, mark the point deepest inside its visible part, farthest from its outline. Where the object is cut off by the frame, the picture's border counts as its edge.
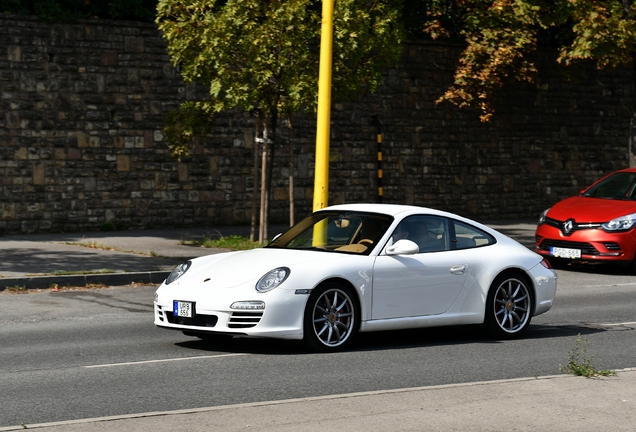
(292, 221)
(263, 234)
(269, 139)
(255, 170)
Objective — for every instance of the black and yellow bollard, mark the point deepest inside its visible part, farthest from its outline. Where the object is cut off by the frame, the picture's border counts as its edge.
(378, 126)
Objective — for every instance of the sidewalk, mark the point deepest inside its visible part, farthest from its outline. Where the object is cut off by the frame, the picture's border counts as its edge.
(552, 403)
(107, 258)
(125, 257)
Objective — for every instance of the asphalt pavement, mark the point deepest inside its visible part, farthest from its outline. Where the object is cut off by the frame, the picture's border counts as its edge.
(562, 402)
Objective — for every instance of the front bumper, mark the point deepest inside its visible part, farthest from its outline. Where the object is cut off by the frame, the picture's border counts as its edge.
(594, 244)
(282, 316)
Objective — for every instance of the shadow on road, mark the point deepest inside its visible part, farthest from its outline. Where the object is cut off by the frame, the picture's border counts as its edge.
(389, 340)
(592, 268)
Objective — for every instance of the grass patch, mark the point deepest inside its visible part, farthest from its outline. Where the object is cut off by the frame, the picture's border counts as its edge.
(90, 244)
(233, 242)
(16, 289)
(80, 272)
(96, 245)
(580, 364)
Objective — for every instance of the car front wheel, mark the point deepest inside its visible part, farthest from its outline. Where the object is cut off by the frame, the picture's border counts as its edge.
(331, 318)
(508, 306)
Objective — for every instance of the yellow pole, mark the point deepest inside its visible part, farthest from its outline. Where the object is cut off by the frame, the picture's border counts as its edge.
(321, 175)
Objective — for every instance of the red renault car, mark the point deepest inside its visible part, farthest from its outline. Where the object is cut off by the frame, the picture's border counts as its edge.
(598, 225)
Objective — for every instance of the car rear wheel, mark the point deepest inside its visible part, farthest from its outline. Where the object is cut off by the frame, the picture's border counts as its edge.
(508, 306)
(331, 318)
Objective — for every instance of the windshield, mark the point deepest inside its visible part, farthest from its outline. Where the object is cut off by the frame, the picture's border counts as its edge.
(333, 231)
(617, 186)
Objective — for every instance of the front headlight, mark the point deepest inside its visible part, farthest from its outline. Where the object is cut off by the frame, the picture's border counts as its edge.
(622, 223)
(178, 272)
(543, 216)
(272, 279)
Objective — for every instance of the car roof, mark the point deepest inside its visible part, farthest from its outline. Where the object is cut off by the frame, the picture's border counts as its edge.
(388, 209)
(400, 211)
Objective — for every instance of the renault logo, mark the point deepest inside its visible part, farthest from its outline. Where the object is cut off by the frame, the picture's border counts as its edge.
(568, 226)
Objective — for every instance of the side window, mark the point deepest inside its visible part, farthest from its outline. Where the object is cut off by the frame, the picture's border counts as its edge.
(467, 236)
(430, 233)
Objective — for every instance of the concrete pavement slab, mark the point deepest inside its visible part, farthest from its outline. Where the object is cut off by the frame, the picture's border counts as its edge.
(552, 403)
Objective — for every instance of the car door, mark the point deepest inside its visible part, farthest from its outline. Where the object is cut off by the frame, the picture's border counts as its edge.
(425, 283)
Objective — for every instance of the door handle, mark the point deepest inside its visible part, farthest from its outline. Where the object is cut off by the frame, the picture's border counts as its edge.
(458, 269)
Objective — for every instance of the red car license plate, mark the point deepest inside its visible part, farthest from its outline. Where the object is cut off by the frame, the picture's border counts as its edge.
(565, 253)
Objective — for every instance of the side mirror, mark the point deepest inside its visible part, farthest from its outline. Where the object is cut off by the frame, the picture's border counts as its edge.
(403, 247)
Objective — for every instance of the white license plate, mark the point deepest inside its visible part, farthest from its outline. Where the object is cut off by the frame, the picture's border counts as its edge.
(565, 252)
(183, 309)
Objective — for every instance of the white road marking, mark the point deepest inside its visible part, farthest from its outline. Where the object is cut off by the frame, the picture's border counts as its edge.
(618, 324)
(163, 360)
(576, 286)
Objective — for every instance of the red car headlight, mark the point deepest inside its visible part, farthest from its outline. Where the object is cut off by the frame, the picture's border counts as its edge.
(622, 223)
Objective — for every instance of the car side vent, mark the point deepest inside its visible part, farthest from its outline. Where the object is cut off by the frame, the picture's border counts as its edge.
(245, 319)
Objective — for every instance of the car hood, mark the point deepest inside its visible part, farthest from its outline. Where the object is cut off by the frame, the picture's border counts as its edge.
(233, 269)
(586, 209)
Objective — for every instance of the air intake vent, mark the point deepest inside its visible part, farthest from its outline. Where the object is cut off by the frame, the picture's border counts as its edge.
(245, 319)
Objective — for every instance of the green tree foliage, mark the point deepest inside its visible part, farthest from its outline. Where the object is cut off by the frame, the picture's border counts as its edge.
(604, 32)
(500, 36)
(263, 55)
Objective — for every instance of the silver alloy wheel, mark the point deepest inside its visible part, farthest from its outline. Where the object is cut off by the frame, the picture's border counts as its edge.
(512, 305)
(333, 317)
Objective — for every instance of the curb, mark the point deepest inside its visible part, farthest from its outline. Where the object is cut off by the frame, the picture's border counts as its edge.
(111, 279)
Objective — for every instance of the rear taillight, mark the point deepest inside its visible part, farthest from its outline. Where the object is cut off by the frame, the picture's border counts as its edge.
(545, 263)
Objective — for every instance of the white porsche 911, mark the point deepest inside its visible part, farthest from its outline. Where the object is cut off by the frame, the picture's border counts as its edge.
(360, 268)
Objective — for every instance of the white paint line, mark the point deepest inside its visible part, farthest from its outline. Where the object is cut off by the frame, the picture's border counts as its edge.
(163, 360)
(579, 287)
(618, 324)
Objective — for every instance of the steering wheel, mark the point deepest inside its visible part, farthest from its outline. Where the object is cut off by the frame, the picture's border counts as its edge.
(366, 241)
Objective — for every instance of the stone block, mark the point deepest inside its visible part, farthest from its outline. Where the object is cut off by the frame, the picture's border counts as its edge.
(182, 169)
(123, 163)
(39, 173)
(14, 53)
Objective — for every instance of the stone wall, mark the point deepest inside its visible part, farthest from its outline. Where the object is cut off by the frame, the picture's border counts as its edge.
(81, 148)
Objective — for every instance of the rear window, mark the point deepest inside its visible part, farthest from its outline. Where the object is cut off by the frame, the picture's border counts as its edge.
(468, 236)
